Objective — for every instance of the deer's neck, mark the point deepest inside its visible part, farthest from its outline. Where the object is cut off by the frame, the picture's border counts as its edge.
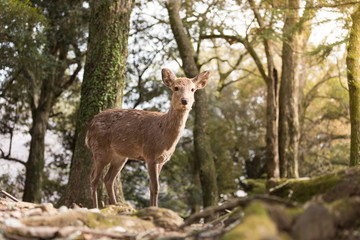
(174, 123)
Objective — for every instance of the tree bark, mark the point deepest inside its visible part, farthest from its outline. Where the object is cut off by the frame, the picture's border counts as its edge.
(272, 123)
(288, 98)
(353, 75)
(102, 87)
(36, 161)
(272, 102)
(202, 145)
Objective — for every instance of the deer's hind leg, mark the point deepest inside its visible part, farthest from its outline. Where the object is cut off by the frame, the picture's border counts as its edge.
(99, 165)
(116, 165)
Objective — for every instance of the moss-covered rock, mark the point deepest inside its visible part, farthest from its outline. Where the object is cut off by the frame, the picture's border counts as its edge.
(161, 217)
(256, 186)
(349, 186)
(103, 221)
(70, 218)
(256, 225)
(316, 223)
(346, 212)
(120, 208)
(283, 216)
(329, 187)
(90, 219)
(302, 190)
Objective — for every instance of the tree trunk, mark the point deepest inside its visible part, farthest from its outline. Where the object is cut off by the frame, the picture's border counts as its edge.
(202, 145)
(36, 162)
(272, 121)
(102, 87)
(194, 191)
(353, 75)
(288, 98)
(272, 101)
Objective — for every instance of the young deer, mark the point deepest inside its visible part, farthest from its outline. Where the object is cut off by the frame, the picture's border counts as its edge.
(115, 135)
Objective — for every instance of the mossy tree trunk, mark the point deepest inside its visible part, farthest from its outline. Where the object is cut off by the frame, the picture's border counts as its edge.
(202, 147)
(288, 95)
(353, 75)
(102, 87)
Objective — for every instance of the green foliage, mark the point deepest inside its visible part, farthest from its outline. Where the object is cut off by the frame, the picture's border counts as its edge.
(324, 50)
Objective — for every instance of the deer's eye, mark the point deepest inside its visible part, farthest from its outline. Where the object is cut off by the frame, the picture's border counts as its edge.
(176, 88)
(193, 89)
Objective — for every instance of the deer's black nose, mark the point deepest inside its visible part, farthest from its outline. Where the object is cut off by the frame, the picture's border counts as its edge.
(184, 101)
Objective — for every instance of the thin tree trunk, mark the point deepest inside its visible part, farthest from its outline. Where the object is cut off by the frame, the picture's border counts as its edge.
(353, 75)
(272, 121)
(102, 87)
(36, 162)
(272, 104)
(202, 145)
(288, 98)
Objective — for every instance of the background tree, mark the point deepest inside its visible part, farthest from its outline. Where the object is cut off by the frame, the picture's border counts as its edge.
(289, 91)
(353, 74)
(102, 86)
(45, 69)
(202, 147)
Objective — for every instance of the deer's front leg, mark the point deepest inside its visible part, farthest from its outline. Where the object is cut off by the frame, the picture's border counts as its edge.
(154, 183)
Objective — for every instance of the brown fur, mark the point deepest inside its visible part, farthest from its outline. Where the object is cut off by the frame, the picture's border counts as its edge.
(116, 135)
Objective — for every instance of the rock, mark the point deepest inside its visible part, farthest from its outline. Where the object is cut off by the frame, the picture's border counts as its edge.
(161, 217)
(48, 207)
(30, 232)
(348, 186)
(62, 219)
(346, 212)
(130, 223)
(329, 187)
(316, 223)
(12, 222)
(34, 212)
(63, 209)
(120, 208)
(282, 216)
(256, 225)
(16, 214)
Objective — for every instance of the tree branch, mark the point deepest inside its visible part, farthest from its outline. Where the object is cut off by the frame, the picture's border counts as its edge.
(237, 39)
(7, 157)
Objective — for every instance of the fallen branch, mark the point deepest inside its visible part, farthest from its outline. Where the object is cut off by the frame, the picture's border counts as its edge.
(9, 196)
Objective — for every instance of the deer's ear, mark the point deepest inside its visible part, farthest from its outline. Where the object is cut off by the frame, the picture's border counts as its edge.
(168, 77)
(202, 79)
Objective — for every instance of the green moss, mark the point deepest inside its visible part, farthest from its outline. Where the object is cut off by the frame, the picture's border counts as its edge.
(118, 209)
(303, 190)
(256, 208)
(257, 186)
(102, 221)
(294, 212)
(343, 212)
(256, 225)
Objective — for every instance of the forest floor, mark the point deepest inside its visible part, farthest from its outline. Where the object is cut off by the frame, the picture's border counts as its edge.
(321, 208)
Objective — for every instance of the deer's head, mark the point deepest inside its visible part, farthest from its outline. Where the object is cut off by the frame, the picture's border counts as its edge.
(184, 88)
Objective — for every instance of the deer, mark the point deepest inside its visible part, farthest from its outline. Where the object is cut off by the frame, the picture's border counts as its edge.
(116, 135)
